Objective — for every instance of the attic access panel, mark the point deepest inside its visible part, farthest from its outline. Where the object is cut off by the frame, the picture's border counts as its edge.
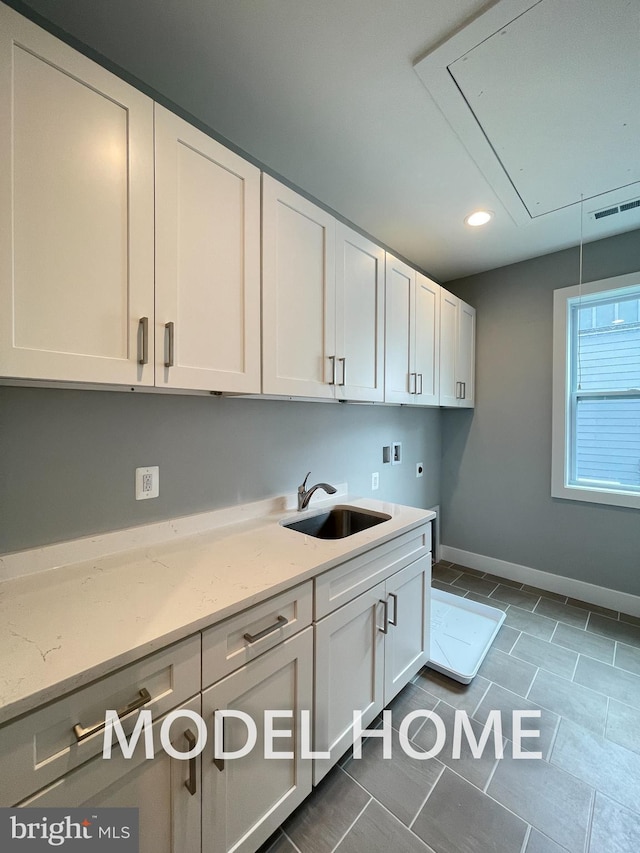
(545, 96)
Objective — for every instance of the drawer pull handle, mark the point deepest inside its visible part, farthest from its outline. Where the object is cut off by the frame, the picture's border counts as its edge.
(394, 621)
(385, 619)
(143, 353)
(82, 734)
(253, 638)
(191, 784)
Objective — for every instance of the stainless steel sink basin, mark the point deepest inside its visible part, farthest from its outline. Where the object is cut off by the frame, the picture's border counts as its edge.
(337, 523)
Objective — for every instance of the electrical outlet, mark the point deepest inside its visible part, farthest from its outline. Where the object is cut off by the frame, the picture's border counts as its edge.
(396, 453)
(375, 481)
(147, 483)
(419, 469)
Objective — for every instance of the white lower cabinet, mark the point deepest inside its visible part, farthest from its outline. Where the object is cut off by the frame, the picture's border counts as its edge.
(169, 813)
(366, 651)
(246, 799)
(370, 637)
(408, 597)
(349, 673)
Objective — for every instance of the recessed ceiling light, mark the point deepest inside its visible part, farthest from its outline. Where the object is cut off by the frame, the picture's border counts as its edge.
(478, 217)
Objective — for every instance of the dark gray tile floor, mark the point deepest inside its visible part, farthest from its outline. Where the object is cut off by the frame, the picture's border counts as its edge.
(579, 666)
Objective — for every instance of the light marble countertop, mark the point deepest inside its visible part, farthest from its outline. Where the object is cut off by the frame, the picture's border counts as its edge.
(61, 628)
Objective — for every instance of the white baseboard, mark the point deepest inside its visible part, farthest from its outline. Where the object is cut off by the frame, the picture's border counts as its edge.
(614, 599)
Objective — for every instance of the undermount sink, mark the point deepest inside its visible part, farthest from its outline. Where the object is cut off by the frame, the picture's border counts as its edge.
(337, 523)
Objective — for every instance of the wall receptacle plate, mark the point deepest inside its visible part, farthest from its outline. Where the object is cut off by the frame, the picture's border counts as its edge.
(396, 453)
(147, 483)
(419, 469)
(375, 481)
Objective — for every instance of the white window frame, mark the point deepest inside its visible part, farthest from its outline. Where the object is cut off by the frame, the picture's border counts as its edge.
(561, 487)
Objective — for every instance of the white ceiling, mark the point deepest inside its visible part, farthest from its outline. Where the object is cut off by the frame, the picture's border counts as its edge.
(325, 93)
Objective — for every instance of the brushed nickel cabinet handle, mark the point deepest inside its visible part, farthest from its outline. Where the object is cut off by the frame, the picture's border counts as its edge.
(170, 327)
(82, 734)
(191, 784)
(385, 619)
(464, 390)
(394, 621)
(420, 391)
(332, 359)
(253, 638)
(143, 345)
(344, 371)
(219, 762)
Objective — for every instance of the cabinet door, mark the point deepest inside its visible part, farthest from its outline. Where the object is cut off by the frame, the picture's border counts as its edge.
(427, 343)
(399, 332)
(407, 642)
(248, 798)
(349, 673)
(298, 295)
(465, 369)
(169, 814)
(449, 311)
(76, 214)
(207, 262)
(359, 317)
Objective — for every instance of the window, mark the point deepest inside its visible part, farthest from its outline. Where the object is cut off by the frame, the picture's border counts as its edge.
(596, 392)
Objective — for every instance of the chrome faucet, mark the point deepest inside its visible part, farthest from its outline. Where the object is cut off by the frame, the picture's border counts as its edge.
(304, 494)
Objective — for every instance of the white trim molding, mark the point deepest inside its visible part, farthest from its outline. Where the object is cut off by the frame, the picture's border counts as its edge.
(614, 599)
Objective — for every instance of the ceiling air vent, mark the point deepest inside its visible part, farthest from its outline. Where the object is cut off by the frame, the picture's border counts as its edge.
(634, 204)
(608, 212)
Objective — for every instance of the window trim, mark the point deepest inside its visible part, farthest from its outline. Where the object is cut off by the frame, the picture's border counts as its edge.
(561, 399)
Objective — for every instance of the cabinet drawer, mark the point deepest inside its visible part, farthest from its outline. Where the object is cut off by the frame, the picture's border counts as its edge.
(337, 586)
(169, 815)
(241, 638)
(38, 748)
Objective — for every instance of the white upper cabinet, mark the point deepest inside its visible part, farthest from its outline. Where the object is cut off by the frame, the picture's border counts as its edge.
(457, 352)
(207, 324)
(427, 341)
(76, 215)
(412, 336)
(399, 333)
(298, 294)
(359, 345)
(466, 353)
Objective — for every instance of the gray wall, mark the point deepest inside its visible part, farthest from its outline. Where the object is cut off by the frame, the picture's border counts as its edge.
(67, 458)
(496, 466)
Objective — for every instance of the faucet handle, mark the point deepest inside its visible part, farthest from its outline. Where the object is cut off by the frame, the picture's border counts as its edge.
(303, 487)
